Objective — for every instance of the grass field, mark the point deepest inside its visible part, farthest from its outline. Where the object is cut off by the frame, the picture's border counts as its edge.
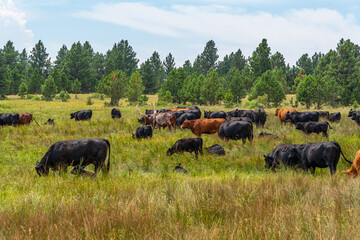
(229, 197)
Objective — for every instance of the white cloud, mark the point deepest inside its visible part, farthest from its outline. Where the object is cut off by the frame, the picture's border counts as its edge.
(13, 26)
(292, 33)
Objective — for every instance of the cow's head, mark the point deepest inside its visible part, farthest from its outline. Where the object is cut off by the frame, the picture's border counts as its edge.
(277, 111)
(288, 115)
(270, 162)
(146, 119)
(299, 126)
(350, 112)
(169, 152)
(186, 124)
(72, 115)
(41, 169)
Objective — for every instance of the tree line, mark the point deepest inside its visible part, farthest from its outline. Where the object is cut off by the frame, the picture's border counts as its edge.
(332, 78)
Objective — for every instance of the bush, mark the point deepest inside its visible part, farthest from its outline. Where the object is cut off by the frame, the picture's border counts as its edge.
(228, 100)
(37, 98)
(143, 99)
(89, 102)
(64, 96)
(102, 97)
(252, 104)
(30, 96)
(96, 95)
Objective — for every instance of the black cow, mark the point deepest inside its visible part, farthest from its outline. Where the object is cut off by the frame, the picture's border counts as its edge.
(268, 135)
(178, 168)
(233, 113)
(186, 116)
(282, 154)
(323, 114)
(351, 112)
(321, 155)
(296, 117)
(75, 152)
(236, 130)
(250, 114)
(313, 127)
(9, 119)
(218, 114)
(260, 119)
(335, 117)
(115, 113)
(186, 145)
(355, 115)
(216, 149)
(81, 115)
(50, 122)
(143, 132)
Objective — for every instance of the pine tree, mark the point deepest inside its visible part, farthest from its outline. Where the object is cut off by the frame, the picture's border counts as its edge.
(115, 86)
(48, 90)
(22, 89)
(136, 88)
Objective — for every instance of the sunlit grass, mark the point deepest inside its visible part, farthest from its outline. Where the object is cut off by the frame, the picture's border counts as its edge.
(227, 197)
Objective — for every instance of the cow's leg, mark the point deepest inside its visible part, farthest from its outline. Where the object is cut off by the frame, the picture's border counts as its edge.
(243, 140)
(201, 151)
(312, 170)
(325, 134)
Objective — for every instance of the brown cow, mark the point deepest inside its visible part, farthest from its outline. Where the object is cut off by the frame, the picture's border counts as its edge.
(355, 167)
(281, 113)
(199, 126)
(25, 118)
(158, 120)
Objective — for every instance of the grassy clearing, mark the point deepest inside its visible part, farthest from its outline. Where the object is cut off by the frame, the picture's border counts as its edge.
(230, 197)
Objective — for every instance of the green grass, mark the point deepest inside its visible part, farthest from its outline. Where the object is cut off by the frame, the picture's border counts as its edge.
(228, 197)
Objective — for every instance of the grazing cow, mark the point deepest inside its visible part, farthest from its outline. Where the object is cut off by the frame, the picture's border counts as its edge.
(218, 114)
(282, 154)
(335, 117)
(321, 155)
(178, 168)
(313, 127)
(81, 115)
(216, 149)
(80, 171)
(115, 113)
(351, 112)
(355, 115)
(143, 132)
(9, 119)
(200, 126)
(296, 117)
(355, 167)
(234, 113)
(236, 130)
(324, 114)
(281, 113)
(25, 118)
(186, 116)
(158, 120)
(50, 122)
(186, 145)
(75, 152)
(260, 119)
(268, 135)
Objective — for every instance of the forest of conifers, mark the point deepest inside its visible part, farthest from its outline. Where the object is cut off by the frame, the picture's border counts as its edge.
(331, 78)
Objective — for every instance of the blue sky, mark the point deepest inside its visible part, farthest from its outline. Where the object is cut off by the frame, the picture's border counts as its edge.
(182, 27)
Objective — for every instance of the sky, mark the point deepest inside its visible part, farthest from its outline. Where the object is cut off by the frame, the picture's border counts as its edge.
(182, 28)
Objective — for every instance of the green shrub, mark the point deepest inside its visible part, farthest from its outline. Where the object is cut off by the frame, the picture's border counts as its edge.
(89, 102)
(64, 96)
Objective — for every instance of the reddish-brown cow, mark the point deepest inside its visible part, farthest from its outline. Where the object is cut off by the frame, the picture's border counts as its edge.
(25, 118)
(199, 126)
(355, 167)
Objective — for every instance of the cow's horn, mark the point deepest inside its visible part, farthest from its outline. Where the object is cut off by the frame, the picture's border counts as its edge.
(137, 109)
(153, 108)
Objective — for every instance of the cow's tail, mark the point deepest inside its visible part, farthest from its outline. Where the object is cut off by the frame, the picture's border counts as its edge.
(343, 154)
(108, 164)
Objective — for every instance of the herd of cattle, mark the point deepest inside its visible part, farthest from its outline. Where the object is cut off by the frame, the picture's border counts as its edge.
(235, 125)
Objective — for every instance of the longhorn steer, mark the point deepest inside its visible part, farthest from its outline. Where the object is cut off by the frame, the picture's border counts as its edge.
(158, 120)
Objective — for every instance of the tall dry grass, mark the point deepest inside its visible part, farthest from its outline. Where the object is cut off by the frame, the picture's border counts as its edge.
(230, 197)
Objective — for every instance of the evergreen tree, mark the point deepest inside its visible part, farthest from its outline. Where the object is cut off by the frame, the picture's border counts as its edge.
(76, 86)
(169, 64)
(210, 87)
(148, 77)
(158, 69)
(173, 84)
(35, 80)
(208, 57)
(188, 68)
(3, 83)
(136, 88)
(22, 89)
(305, 63)
(23, 63)
(121, 57)
(10, 55)
(278, 61)
(48, 90)
(260, 60)
(14, 80)
(115, 86)
(61, 57)
(268, 85)
(235, 84)
(39, 59)
(306, 91)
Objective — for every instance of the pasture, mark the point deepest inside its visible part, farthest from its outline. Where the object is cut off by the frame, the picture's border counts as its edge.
(227, 197)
